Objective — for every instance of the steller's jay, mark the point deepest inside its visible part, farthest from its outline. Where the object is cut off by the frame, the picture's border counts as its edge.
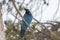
(28, 17)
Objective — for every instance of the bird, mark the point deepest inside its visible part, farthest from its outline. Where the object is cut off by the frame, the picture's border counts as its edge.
(28, 17)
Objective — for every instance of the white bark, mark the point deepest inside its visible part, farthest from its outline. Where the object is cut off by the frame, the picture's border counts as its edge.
(2, 33)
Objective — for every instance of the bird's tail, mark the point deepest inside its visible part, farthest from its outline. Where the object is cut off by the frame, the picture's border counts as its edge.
(22, 33)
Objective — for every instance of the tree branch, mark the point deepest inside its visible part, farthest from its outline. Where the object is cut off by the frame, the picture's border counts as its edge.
(24, 19)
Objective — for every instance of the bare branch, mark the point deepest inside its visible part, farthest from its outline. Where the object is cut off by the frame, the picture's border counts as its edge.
(23, 19)
(56, 10)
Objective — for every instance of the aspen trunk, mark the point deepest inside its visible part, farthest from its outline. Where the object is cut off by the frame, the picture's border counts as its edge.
(2, 33)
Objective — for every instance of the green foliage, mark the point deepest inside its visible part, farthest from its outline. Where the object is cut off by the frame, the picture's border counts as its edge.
(10, 33)
(20, 8)
(54, 36)
(13, 35)
(34, 25)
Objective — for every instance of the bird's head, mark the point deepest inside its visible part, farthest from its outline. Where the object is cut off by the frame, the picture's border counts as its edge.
(27, 11)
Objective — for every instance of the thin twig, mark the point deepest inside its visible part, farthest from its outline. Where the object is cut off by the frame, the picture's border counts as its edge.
(24, 19)
(56, 10)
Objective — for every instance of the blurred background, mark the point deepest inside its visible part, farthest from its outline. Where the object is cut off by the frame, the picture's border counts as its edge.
(45, 23)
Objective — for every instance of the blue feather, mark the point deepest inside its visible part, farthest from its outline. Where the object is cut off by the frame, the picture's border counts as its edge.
(28, 17)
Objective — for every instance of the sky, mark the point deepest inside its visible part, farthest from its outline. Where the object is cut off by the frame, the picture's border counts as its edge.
(47, 14)
(50, 10)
